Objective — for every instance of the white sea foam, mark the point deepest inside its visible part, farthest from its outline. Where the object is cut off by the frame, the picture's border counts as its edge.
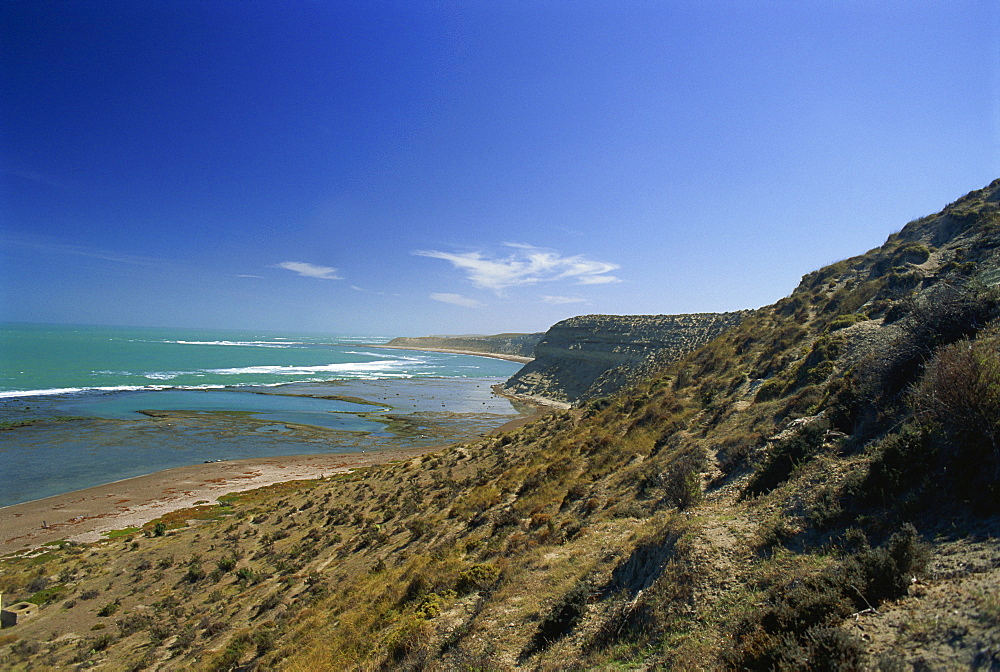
(356, 368)
(404, 358)
(77, 390)
(165, 375)
(251, 344)
(10, 394)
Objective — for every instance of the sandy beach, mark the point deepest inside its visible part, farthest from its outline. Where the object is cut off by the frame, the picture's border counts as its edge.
(83, 515)
(494, 355)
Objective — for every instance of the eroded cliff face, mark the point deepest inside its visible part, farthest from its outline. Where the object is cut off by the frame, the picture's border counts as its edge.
(594, 355)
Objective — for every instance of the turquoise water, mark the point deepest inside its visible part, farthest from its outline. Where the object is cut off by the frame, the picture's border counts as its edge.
(51, 359)
(82, 406)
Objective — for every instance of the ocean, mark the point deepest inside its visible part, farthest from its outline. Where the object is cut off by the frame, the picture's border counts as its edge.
(84, 405)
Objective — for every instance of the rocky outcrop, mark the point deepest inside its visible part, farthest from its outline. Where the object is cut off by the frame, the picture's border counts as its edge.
(518, 345)
(594, 355)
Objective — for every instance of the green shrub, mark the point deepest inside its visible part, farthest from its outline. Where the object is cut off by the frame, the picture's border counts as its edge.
(226, 564)
(102, 642)
(478, 577)
(195, 573)
(845, 321)
(874, 575)
(795, 628)
(48, 595)
(109, 608)
(902, 463)
(784, 456)
(870, 399)
(960, 391)
(681, 481)
(771, 389)
(431, 604)
(911, 253)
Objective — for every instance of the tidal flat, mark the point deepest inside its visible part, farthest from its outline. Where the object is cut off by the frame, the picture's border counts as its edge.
(62, 443)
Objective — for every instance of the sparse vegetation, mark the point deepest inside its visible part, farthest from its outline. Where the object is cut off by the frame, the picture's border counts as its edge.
(826, 469)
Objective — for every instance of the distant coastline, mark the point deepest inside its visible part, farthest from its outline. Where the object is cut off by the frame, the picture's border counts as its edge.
(494, 355)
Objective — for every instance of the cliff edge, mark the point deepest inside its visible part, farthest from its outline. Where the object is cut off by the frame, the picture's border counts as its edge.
(594, 355)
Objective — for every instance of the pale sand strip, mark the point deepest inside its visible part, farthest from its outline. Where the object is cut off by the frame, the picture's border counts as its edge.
(83, 515)
(494, 355)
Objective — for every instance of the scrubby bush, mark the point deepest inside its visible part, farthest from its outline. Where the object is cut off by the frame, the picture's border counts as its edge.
(654, 593)
(902, 463)
(796, 626)
(871, 398)
(960, 391)
(885, 572)
(952, 445)
(911, 253)
(478, 577)
(733, 452)
(195, 573)
(109, 608)
(682, 482)
(784, 456)
(226, 564)
(844, 321)
(771, 389)
(646, 562)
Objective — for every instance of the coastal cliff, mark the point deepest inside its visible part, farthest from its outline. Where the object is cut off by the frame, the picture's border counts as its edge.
(517, 345)
(594, 355)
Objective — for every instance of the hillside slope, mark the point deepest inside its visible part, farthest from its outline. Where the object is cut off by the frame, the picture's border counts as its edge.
(816, 488)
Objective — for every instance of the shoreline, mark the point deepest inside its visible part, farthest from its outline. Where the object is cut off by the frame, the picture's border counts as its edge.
(539, 402)
(83, 516)
(494, 355)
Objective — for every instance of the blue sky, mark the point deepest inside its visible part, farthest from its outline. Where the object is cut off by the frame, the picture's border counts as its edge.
(470, 167)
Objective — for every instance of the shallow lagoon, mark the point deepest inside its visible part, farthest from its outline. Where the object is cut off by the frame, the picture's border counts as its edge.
(81, 440)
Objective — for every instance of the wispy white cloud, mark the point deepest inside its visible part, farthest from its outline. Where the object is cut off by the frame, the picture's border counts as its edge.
(247, 275)
(310, 270)
(51, 245)
(456, 300)
(43, 179)
(559, 300)
(597, 280)
(356, 288)
(526, 265)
